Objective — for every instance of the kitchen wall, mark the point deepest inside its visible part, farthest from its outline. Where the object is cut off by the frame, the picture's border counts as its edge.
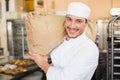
(3, 33)
(100, 8)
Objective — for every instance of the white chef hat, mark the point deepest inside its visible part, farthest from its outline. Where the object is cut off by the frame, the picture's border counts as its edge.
(78, 9)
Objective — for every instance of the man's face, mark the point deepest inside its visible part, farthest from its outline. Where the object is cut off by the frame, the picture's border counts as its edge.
(74, 26)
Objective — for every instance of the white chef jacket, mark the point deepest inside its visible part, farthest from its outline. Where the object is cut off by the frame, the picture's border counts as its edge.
(75, 59)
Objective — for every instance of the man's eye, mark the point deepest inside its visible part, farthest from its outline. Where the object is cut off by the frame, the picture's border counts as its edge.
(78, 21)
(69, 19)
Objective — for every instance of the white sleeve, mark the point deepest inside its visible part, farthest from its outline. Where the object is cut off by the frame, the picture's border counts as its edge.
(80, 68)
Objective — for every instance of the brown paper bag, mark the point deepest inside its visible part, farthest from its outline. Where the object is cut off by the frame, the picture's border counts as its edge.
(44, 33)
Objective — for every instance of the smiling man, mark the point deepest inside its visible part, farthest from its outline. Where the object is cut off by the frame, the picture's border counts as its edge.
(75, 26)
(76, 58)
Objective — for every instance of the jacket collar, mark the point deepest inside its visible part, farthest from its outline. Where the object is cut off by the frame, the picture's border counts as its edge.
(79, 38)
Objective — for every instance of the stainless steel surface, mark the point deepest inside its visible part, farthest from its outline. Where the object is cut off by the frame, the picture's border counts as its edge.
(102, 34)
(10, 38)
(23, 46)
(17, 44)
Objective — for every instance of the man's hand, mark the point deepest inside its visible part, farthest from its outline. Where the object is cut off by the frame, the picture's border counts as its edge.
(32, 14)
(41, 61)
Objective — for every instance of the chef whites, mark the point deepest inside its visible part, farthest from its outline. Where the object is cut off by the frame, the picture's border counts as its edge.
(77, 58)
(70, 63)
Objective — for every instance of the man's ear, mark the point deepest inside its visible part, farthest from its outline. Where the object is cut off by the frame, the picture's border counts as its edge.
(87, 22)
(64, 27)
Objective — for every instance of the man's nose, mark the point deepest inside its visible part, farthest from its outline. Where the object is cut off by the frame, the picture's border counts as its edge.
(72, 25)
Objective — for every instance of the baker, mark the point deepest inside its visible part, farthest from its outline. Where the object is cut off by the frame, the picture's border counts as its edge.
(76, 58)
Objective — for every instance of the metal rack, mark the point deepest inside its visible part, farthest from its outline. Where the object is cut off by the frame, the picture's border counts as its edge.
(17, 44)
(113, 55)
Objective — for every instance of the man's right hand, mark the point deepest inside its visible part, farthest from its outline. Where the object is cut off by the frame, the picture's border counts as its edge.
(32, 14)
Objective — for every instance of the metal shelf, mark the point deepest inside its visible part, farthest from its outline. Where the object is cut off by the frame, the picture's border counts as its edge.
(116, 65)
(116, 49)
(116, 73)
(113, 55)
(116, 57)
